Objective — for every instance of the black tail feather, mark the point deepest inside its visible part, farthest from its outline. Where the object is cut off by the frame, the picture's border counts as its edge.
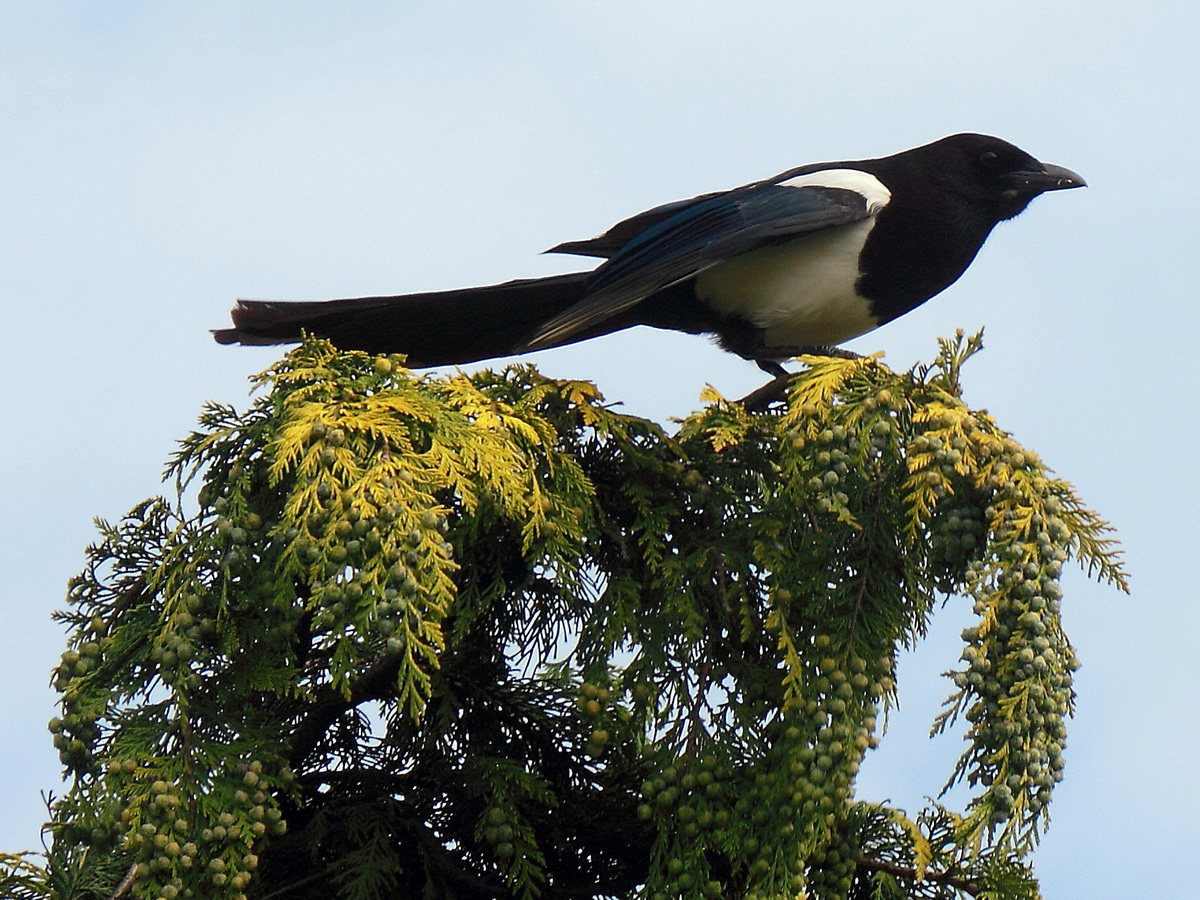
(432, 329)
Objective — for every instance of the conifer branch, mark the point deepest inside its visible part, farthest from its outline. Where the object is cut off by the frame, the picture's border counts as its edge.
(363, 535)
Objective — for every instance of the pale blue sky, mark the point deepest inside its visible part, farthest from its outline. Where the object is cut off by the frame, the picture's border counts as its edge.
(158, 160)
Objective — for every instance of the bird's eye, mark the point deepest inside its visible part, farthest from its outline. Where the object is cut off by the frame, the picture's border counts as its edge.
(988, 158)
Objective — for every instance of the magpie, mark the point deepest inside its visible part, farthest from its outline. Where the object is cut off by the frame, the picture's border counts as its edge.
(798, 263)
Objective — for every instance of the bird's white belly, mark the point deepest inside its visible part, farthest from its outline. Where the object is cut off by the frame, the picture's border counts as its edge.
(801, 293)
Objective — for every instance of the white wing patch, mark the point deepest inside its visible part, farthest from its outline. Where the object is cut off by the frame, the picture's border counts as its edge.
(855, 180)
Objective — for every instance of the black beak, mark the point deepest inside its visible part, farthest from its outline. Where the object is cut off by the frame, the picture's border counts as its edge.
(1046, 178)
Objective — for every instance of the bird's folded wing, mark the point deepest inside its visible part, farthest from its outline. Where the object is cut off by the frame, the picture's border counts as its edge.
(699, 237)
(609, 243)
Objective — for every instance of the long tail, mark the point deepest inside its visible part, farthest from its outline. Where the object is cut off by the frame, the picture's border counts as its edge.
(433, 329)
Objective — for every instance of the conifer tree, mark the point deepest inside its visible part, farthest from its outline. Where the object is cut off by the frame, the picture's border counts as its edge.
(483, 636)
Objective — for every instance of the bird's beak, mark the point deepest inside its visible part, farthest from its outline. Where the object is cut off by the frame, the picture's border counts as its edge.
(1046, 178)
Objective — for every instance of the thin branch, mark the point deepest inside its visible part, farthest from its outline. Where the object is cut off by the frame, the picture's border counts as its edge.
(452, 869)
(331, 703)
(296, 885)
(392, 781)
(774, 391)
(962, 884)
(125, 884)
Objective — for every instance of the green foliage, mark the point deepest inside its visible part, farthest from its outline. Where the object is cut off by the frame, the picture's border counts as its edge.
(482, 636)
(21, 878)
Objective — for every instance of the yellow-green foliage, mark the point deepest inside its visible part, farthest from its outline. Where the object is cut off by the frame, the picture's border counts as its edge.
(483, 636)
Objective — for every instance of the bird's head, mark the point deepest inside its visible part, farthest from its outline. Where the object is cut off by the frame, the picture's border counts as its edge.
(991, 172)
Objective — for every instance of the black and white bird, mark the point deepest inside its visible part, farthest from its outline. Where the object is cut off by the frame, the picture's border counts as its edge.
(797, 263)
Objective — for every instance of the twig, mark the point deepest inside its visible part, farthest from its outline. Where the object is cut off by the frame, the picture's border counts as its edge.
(331, 703)
(963, 884)
(774, 391)
(437, 857)
(295, 885)
(125, 884)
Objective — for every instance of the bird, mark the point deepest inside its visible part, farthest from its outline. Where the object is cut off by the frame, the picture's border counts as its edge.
(794, 264)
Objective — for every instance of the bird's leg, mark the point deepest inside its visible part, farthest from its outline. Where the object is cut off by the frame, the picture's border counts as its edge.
(775, 390)
(772, 367)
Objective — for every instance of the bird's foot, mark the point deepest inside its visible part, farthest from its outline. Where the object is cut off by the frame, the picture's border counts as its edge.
(835, 352)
